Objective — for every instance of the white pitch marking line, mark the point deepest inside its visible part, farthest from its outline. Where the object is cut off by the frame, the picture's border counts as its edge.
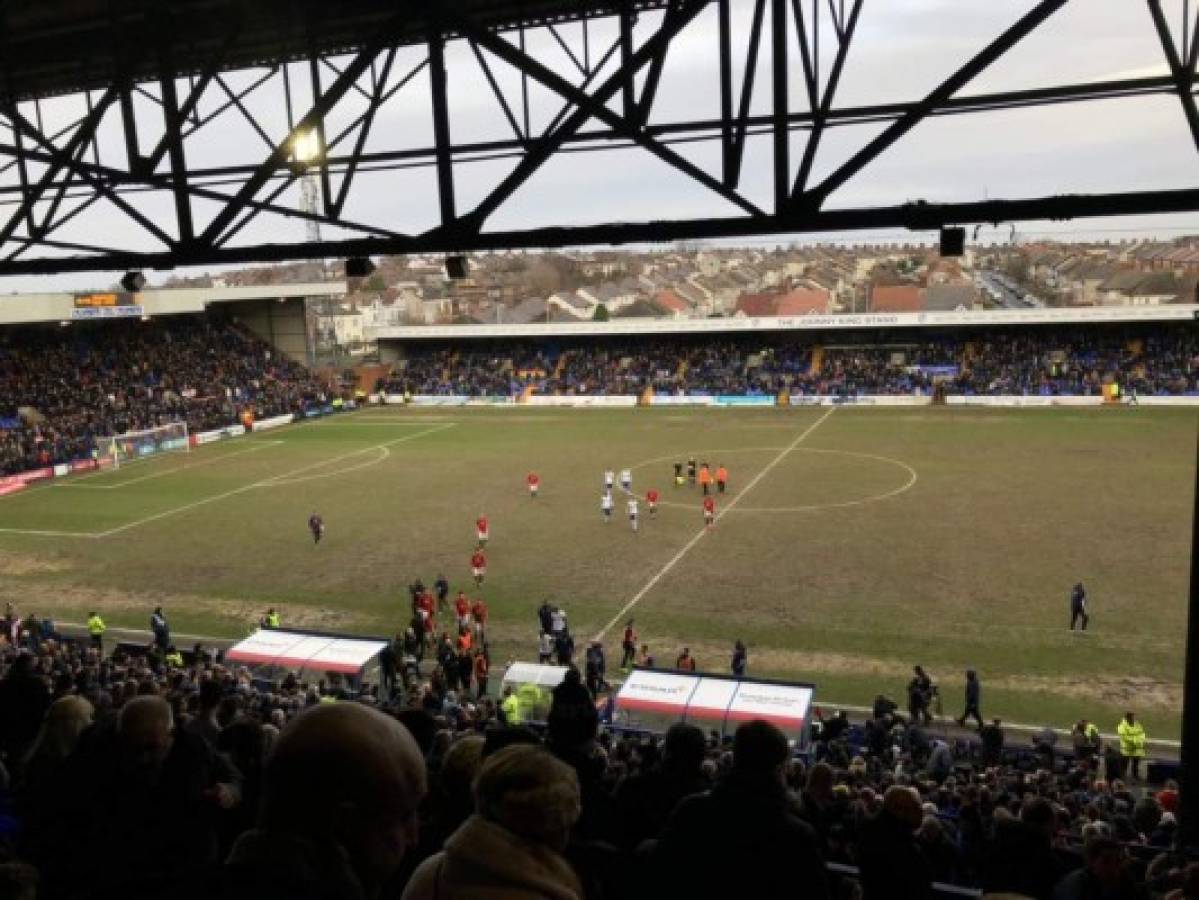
(674, 561)
(186, 467)
(266, 482)
(33, 531)
(384, 453)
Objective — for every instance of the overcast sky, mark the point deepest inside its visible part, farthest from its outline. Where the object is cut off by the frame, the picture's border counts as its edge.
(903, 48)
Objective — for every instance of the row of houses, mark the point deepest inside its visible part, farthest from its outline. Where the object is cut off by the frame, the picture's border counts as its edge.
(1144, 274)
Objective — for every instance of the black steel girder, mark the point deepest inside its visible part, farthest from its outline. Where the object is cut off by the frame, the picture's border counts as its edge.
(914, 216)
(601, 100)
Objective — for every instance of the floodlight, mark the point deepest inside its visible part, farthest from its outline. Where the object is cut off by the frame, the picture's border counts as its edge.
(306, 147)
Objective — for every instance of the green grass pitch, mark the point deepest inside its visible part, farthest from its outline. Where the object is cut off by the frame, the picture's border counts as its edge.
(851, 544)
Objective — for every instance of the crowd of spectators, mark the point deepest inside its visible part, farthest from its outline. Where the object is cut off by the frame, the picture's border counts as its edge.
(61, 388)
(1152, 361)
(138, 773)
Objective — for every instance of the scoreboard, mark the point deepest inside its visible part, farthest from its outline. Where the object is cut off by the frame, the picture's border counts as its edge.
(107, 305)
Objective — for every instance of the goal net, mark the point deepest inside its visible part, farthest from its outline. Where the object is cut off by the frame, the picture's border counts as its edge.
(121, 449)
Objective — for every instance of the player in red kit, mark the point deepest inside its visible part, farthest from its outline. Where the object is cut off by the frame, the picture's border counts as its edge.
(481, 525)
(424, 609)
(462, 609)
(709, 511)
(478, 566)
(478, 612)
(534, 483)
(651, 500)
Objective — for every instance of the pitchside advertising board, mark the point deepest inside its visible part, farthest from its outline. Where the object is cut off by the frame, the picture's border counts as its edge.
(111, 305)
(219, 434)
(652, 700)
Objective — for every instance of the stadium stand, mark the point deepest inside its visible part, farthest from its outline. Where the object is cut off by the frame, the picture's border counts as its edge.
(1156, 360)
(128, 775)
(60, 388)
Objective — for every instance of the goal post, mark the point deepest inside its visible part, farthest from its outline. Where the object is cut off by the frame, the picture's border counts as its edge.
(121, 449)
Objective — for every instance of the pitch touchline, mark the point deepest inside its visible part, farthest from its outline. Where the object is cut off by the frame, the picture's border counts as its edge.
(674, 561)
(267, 482)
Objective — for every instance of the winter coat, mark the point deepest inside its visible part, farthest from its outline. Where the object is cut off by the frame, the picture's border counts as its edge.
(484, 861)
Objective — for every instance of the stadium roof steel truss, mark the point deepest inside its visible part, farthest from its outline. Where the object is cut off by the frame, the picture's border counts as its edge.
(155, 86)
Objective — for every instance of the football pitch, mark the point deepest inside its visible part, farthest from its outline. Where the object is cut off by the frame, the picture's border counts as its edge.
(852, 542)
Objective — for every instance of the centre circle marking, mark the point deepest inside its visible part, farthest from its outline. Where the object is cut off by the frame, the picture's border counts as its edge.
(910, 473)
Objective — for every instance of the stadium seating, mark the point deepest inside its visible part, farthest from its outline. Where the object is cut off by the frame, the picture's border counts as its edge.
(62, 388)
(1155, 360)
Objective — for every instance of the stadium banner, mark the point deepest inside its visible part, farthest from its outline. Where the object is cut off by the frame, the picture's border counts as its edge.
(10, 484)
(84, 465)
(1175, 400)
(61, 469)
(863, 400)
(582, 401)
(682, 400)
(1172, 312)
(35, 475)
(1029, 402)
(492, 401)
(273, 422)
(881, 400)
(434, 399)
(207, 437)
(738, 400)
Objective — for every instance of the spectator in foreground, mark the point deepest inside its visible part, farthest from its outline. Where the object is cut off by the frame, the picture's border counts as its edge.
(24, 698)
(646, 800)
(1104, 876)
(525, 804)
(339, 801)
(892, 865)
(735, 840)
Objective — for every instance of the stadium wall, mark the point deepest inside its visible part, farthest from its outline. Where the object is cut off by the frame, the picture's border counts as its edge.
(281, 323)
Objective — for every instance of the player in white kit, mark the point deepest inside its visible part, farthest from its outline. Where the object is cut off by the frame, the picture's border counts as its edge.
(626, 480)
(609, 480)
(606, 506)
(633, 512)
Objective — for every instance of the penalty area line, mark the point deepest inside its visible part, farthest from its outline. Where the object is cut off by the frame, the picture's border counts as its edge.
(674, 560)
(268, 482)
